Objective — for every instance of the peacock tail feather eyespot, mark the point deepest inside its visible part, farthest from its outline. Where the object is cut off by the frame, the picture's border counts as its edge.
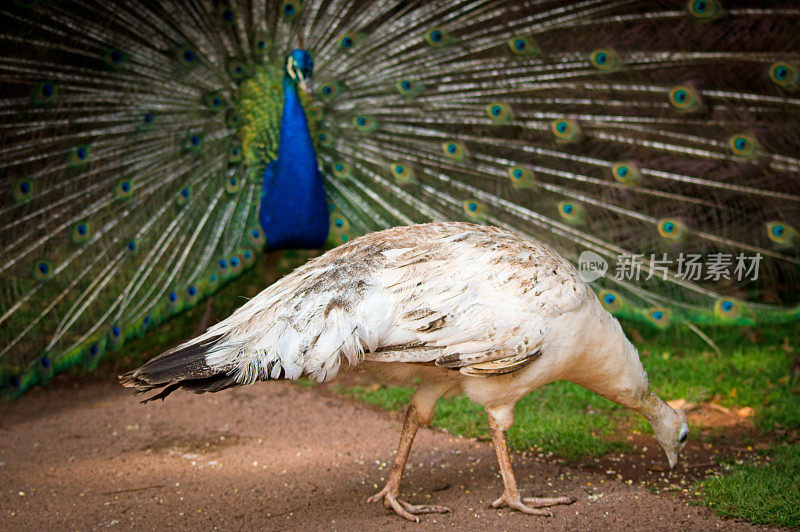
(45, 94)
(262, 43)
(114, 58)
(782, 234)
(248, 257)
(256, 237)
(627, 173)
(365, 124)
(455, 150)
(659, 316)
(521, 176)
(79, 155)
(22, 190)
(566, 130)
(290, 8)
(183, 197)
(704, 9)
(475, 209)
(339, 223)
(237, 69)
(123, 190)
(342, 169)
(349, 40)
(329, 89)
(605, 59)
(402, 172)
(524, 46)
(174, 302)
(743, 145)
(80, 232)
(437, 37)
(43, 270)
(727, 308)
(192, 293)
(146, 120)
(409, 87)
(214, 101)
(132, 246)
(571, 211)
(232, 184)
(316, 112)
(784, 75)
(226, 15)
(235, 152)
(94, 351)
(684, 98)
(325, 139)
(671, 229)
(611, 300)
(193, 143)
(187, 56)
(499, 112)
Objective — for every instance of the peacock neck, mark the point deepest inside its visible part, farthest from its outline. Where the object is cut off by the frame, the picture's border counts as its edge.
(294, 126)
(294, 212)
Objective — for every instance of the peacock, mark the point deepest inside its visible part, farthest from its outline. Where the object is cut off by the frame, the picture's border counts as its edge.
(456, 308)
(152, 151)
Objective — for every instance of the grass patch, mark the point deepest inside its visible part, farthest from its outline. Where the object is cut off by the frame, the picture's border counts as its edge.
(561, 418)
(760, 493)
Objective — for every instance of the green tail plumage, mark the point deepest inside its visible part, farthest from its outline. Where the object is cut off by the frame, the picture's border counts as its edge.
(135, 135)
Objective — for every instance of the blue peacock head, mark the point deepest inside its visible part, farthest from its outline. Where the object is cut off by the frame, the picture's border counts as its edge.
(299, 67)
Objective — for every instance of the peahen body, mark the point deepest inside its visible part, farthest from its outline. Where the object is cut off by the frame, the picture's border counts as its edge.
(458, 308)
(151, 151)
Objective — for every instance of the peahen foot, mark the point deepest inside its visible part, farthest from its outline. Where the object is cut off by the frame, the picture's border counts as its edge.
(530, 505)
(404, 509)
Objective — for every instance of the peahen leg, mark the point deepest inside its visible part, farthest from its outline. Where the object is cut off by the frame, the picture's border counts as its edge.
(511, 496)
(419, 413)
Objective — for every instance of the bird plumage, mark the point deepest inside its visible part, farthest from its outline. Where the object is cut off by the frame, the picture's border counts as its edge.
(461, 308)
(138, 135)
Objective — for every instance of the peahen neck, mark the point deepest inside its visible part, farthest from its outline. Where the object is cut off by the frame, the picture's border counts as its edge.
(294, 211)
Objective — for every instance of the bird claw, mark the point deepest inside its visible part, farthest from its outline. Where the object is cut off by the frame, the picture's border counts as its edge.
(404, 509)
(531, 505)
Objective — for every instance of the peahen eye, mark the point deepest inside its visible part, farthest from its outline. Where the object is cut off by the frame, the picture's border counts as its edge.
(683, 437)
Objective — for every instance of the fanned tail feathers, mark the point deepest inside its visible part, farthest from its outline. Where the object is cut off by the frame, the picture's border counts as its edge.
(135, 135)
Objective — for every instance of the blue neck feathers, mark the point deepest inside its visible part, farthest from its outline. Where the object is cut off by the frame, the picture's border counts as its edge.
(294, 211)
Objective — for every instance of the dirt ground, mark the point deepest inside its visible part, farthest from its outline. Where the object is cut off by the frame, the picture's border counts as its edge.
(276, 456)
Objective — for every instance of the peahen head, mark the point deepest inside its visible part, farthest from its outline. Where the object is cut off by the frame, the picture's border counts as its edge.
(671, 431)
(299, 67)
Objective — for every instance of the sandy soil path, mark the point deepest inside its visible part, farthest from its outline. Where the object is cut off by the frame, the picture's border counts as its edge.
(274, 456)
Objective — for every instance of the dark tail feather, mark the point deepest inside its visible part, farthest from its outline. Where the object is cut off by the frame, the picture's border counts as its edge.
(180, 368)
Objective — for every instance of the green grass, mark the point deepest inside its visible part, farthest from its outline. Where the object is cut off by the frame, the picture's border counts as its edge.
(556, 418)
(760, 493)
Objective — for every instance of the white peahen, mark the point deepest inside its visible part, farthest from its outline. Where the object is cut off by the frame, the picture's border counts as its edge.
(153, 150)
(457, 307)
